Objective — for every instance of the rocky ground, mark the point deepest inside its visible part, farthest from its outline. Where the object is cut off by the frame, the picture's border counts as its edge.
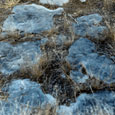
(57, 57)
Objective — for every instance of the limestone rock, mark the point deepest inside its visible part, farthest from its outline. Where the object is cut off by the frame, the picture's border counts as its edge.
(13, 57)
(90, 26)
(54, 2)
(24, 95)
(87, 64)
(91, 104)
(29, 19)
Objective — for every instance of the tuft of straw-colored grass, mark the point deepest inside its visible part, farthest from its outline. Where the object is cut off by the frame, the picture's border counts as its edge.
(108, 4)
(9, 3)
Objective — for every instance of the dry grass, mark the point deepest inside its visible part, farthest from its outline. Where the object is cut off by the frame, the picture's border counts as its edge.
(38, 69)
(108, 4)
(109, 15)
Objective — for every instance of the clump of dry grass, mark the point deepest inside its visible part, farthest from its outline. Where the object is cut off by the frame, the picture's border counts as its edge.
(108, 4)
(9, 3)
(108, 9)
(38, 69)
(51, 66)
(111, 30)
(48, 71)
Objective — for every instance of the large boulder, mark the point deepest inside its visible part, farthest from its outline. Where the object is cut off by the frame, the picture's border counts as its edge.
(54, 2)
(13, 57)
(24, 96)
(88, 67)
(100, 103)
(29, 19)
(90, 26)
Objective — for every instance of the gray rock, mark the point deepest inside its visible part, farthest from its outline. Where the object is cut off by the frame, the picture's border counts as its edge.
(54, 2)
(13, 57)
(86, 63)
(24, 96)
(91, 26)
(61, 39)
(100, 103)
(29, 19)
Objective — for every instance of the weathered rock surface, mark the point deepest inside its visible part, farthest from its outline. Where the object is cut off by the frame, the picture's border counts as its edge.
(29, 19)
(13, 57)
(100, 103)
(24, 95)
(88, 65)
(90, 26)
(54, 2)
(83, 0)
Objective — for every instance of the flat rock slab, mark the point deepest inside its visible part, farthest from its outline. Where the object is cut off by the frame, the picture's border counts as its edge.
(90, 26)
(13, 57)
(24, 95)
(87, 64)
(83, 0)
(100, 103)
(29, 19)
(54, 2)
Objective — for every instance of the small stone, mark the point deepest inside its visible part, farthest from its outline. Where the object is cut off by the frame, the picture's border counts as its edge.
(91, 26)
(54, 2)
(83, 0)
